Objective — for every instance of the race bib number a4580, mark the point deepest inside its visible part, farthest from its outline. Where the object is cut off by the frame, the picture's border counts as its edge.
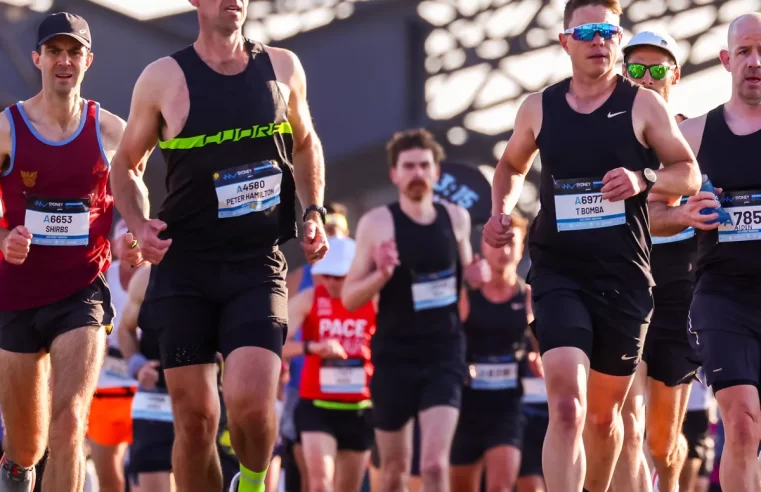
(579, 205)
(248, 189)
(745, 209)
(57, 221)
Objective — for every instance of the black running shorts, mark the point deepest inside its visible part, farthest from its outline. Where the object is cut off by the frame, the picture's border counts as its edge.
(487, 420)
(700, 445)
(537, 419)
(668, 353)
(608, 326)
(201, 308)
(28, 331)
(352, 429)
(726, 335)
(401, 391)
(151, 449)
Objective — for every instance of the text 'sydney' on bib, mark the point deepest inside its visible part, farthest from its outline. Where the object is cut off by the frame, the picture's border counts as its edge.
(58, 221)
(248, 188)
(745, 209)
(579, 205)
(155, 406)
(493, 373)
(342, 376)
(434, 290)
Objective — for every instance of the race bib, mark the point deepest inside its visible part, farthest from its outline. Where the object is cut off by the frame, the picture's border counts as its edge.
(434, 290)
(534, 390)
(247, 189)
(688, 233)
(745, 209)
(58, 221)
(579, 205)
(152, 406)
(342, 376)
(494, 373)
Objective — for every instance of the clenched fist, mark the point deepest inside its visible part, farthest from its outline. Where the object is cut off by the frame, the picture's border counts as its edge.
(16, 245)
(386, 257)
(498, 231)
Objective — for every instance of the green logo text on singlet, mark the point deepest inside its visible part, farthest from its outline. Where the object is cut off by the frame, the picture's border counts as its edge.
(234, 135)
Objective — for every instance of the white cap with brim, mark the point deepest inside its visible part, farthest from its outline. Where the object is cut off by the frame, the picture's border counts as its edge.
(338, 259)
(650, 38)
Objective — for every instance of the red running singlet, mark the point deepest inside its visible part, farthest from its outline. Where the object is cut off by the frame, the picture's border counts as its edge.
(60, 192)
(338, 379)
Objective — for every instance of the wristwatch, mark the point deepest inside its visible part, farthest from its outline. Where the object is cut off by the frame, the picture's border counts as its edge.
(650, 178)
(307, 343)
(315, 208)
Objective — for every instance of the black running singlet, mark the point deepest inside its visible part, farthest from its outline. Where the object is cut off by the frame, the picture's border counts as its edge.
(728, 258)
(495, 334)
(418, 319)
(600, 244)
(231, 192)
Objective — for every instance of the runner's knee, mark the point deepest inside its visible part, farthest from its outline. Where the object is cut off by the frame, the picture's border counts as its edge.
(741, 425)
(196, 419)
(435, 468)
(568, 412)
(67, 427)
(663, 447)
(246, 409)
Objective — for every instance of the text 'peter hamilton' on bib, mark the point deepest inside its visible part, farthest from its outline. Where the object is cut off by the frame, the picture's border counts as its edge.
(493, 373)
(434, 290)
(247, 189)
(154, 406)
(745, 209)
(579, 205)
(342, 376)
(58, 221)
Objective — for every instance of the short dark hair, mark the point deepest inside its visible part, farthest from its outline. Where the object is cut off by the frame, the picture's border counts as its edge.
(573, 5)
(418, 138)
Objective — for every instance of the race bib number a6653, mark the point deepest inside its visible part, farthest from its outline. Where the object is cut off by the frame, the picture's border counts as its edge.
(58, 221)
(579, 205)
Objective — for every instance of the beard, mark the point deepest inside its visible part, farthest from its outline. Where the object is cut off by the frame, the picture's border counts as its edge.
(416, 190)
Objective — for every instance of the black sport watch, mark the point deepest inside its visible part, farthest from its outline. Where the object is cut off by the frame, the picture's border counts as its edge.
(315, 208)
(650, 178)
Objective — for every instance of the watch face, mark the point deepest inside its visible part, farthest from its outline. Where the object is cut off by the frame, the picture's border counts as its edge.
(650, 175)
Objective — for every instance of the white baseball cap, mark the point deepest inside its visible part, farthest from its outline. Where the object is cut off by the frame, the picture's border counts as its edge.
(338, 259)
(650, 38)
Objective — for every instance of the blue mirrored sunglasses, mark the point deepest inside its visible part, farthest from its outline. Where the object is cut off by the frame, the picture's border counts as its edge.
(587, 32)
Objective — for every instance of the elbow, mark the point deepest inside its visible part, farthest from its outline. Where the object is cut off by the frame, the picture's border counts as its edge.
(348, 300)
(695, 181)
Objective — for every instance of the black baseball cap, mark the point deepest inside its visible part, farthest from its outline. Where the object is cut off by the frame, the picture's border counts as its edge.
(64, 24)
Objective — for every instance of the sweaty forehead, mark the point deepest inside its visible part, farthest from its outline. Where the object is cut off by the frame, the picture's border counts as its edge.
(63, 43)
(593, 14)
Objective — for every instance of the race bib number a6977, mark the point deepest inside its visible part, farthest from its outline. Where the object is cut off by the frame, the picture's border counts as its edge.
(579, 205)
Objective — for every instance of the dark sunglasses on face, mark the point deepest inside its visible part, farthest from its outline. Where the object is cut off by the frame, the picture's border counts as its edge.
(587, 32)
(638, 70)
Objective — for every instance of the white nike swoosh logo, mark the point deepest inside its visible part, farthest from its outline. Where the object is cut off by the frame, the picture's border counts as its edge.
(626, 357)
(611, 115)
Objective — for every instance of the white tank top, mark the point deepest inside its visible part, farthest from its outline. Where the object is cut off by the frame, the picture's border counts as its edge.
(701, 396)
(118, 299)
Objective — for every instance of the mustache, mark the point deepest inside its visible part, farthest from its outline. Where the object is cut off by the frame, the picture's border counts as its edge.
(415, 183)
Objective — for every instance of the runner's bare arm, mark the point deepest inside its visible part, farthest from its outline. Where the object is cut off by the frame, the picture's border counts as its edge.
(461, 224)
(519, 154)
(5, 153)
(666, 218)
(298, 310)
(679, 175)
(529, 306)
(364, 281)
(127, 331)
(111, 131)
(308, 160)
(139, 140)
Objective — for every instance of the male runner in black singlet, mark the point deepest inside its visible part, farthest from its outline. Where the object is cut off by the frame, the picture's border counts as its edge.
(668, 361)
(725, 317)
(227, 113)
(413, 253)
(600, 138)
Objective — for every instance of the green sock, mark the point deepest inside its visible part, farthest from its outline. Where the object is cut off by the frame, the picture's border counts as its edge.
(251, 481)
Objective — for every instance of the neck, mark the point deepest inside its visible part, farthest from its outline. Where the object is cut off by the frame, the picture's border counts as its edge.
(742, 109)
(63, 110)
(216, 46)
(583, 87)
(502, 279)
(420, 211)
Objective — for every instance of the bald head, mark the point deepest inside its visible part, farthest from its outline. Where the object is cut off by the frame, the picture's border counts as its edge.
(743, 26)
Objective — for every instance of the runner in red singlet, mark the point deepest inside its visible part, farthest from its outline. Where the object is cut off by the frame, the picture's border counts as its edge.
(54, 300)
(333, 415)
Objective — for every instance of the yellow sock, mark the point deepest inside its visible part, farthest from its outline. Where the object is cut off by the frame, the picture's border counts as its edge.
(250, 481)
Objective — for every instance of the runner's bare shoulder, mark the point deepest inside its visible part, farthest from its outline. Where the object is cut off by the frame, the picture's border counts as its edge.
(377, 223)
(162, 77)
(692, 130)
(5, 141)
